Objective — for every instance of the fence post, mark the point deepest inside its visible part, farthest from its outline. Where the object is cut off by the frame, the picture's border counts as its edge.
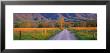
(94, 35)
(45, 32)
(20, 35)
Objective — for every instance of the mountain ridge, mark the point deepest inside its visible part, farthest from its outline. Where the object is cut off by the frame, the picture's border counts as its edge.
(74, 17)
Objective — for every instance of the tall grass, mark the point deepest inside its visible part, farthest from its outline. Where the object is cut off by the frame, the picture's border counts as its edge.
(85, 34)
(42, 34)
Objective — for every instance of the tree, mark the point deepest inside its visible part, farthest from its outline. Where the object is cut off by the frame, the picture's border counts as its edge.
(76, 24)
(40, 24)
(17, 24)
(25, 24)
(61, 21)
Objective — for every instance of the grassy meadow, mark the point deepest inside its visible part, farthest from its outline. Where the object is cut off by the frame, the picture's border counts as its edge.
(82, 33)
(85, 33)
(34, 33)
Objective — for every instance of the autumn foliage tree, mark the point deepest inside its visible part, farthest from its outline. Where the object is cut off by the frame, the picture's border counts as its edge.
(61, 21)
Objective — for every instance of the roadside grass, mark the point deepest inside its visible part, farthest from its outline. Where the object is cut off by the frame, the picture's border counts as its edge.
(35, 34)
(85, 34)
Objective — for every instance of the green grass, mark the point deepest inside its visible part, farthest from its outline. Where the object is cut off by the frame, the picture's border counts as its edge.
(35, 35)
(85, 34)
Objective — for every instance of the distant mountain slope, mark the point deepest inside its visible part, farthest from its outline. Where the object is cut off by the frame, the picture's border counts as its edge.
(74, 17)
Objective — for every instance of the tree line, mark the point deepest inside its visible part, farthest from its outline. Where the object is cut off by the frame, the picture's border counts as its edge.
(46, 24)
